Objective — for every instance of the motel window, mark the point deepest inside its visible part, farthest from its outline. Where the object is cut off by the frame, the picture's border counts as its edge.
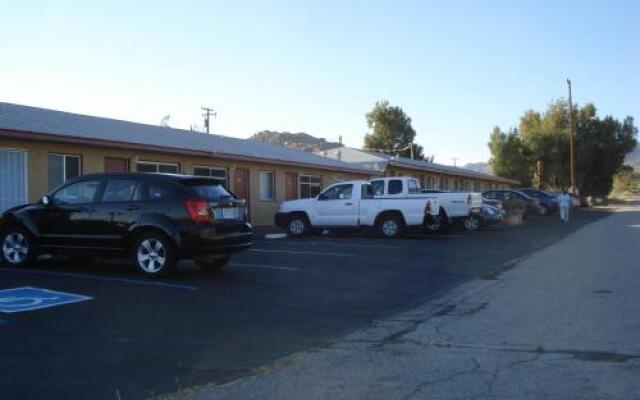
(220, 175)
(63, 167)
(267, 186)
(444, 183)
(309, 186)
(157, 167)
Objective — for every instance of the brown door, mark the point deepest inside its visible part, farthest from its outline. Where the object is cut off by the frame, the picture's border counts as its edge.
(113, 164)
(241, 186)
(291, 185)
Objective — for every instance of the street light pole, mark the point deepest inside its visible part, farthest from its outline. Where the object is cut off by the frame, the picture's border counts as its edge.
(571, 167)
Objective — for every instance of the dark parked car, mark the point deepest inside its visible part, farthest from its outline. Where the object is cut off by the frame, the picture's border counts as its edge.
(533, 204)
(548, 202)
(492, 215)
(155, 219)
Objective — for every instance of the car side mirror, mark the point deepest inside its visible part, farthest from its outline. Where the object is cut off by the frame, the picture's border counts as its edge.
(46, 200)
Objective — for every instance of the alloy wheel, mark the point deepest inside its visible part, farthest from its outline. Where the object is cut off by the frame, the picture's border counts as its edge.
(390, 228)
(15, 248)
(472, 223)
(296, 227)
(151, 255)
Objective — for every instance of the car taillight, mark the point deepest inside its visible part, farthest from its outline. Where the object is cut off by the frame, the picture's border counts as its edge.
(427, 208)
(199, 210)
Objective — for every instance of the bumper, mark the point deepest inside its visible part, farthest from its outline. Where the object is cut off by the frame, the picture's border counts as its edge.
(216, 239)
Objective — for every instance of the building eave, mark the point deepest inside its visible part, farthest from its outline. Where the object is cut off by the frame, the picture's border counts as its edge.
(71, 139)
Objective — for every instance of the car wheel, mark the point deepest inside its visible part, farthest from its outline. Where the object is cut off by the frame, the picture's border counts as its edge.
(214, 263)
(297, 225)
(153, 254)
(543, 210)
(17, 247)
(390, 226)
(471, 223)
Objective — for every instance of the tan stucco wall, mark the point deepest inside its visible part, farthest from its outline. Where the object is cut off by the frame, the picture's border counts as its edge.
(93, 158)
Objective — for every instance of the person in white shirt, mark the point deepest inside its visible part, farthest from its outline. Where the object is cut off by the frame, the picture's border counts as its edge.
(564, 201)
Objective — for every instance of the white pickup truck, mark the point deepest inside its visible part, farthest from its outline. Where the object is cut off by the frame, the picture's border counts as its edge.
(357, 204)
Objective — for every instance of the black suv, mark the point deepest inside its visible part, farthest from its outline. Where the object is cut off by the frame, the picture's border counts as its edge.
(155, 219)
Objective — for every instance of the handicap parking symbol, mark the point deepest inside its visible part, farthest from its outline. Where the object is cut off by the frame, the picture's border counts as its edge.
(30, 298)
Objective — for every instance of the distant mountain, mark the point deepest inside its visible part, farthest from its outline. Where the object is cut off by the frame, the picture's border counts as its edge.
(479, 167)
(299, 141)
(633, 158)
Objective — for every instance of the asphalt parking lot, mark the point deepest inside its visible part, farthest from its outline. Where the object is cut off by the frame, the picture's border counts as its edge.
(134, 338)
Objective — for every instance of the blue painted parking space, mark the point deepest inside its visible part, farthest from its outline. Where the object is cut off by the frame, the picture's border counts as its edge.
(29, 298)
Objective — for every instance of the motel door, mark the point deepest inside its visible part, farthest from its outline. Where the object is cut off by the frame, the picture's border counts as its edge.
(291, 186)
(241, 186)
(113, 164)
(13, 178)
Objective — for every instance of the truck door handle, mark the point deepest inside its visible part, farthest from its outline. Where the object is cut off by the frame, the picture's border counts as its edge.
(348, 204)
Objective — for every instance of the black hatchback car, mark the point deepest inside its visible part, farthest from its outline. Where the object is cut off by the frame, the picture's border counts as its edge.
(155, 219)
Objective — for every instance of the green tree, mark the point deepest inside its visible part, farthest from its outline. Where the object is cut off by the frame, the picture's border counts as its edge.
(391, 131)
(509, 156)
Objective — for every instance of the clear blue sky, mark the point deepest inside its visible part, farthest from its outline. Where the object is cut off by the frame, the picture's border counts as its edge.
(319, 66)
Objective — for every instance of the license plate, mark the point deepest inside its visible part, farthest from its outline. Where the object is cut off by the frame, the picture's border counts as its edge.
(231, 213)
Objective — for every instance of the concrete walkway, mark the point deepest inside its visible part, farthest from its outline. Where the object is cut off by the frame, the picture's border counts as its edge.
(562, 324)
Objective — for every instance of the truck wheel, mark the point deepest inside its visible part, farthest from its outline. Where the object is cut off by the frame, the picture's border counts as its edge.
(472, 223)
(298, 225)
(390, 226)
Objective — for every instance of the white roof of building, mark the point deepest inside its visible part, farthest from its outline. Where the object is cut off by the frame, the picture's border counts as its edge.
(65, 125)
(378, 162)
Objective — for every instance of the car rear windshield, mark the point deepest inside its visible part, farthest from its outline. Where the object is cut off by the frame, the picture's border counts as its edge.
(208, 189)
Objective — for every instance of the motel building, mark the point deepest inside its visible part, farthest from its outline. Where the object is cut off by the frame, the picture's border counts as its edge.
(430, 175)
(41, 148)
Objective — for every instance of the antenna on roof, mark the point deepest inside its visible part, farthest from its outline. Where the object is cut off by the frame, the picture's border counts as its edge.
(208, 112)
(164, 122)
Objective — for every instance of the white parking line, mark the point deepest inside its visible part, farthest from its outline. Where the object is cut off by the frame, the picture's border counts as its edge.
(364, 246)
(101, 278)
(302, 252)
(241, 265)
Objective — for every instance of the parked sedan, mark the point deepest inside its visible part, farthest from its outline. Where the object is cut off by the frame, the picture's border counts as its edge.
(533, 204)
(548, 202)
(155, 219)
(492, 215)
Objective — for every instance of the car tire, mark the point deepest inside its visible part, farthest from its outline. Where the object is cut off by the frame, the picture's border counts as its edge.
(154, 255)
(298, 225)
(472, 223)
(16, 248)
(390, 226)
(214, 263)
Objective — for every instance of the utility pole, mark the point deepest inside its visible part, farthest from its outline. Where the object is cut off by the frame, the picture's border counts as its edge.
(571, 165)
(208, 112)
(411, 146)
(454, 160)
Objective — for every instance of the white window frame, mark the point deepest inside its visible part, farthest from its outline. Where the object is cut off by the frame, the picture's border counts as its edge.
(157, 164)
(263, 196)
(26, 169)
(64, 165)
(211, 168)
(300, 183)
